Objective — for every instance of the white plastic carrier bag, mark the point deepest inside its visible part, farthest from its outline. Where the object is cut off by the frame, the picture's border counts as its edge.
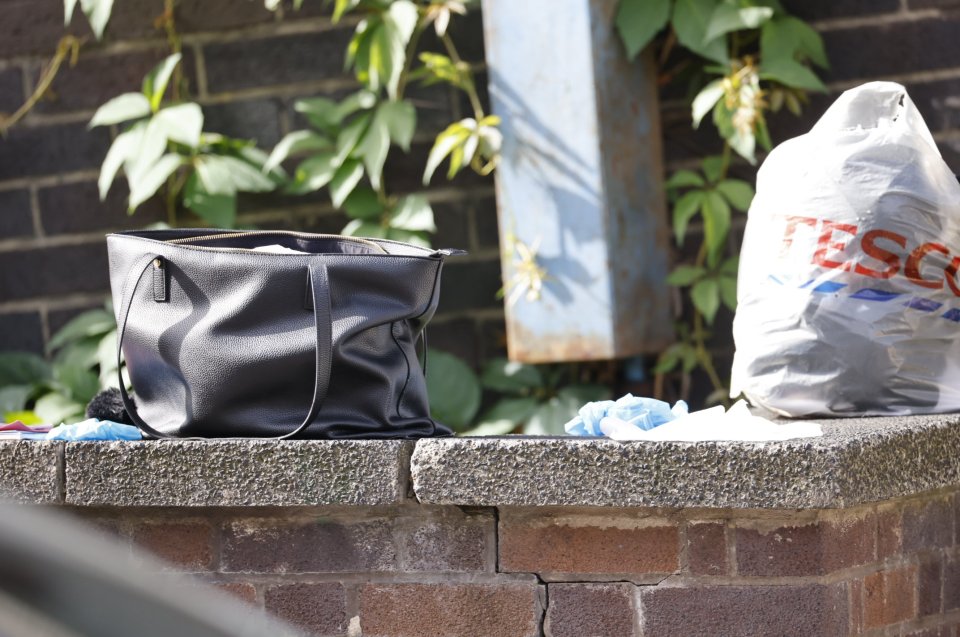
(848, 290)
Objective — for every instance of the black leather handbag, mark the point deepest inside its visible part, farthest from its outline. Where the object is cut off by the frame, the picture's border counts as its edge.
(273, 334)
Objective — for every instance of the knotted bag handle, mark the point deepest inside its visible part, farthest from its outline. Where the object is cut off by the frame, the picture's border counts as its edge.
(320, 290)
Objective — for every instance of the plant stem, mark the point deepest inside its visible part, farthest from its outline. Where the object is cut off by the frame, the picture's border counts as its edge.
(68, 46)
(699, 338)
(176, 45)
(725, 163)
(470, 88)
(408, 62)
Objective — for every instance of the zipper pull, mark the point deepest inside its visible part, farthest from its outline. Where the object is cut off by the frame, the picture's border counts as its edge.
(159, 280)
(448, 252)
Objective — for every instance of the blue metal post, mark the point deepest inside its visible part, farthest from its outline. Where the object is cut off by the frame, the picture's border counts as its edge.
(581, 180)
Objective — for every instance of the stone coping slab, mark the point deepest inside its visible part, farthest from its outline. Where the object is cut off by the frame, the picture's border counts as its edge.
(200, 473)
(30, 471)
(856, 461)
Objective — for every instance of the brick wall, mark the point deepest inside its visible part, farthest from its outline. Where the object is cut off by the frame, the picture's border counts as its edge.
(247, 68)
(411, 570)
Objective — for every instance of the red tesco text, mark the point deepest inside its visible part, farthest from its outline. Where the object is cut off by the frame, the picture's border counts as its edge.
(885, 253)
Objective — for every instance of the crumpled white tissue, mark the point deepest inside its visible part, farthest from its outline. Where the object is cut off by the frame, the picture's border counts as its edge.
(713, 424)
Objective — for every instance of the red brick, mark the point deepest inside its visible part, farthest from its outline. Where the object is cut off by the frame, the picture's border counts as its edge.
(240, 590)
(889, 597)
(455, 544)
(598, 610)
(936, 631)
(707, 549)
(186, 545)
(928, 525)
(323, 546)
(951, 584)
(929, 584)
(562, 548)
(889, 533)
(855, 603)
(319, 608)
(451, 610)
(811, 549)
(850, 541)
(809, 610)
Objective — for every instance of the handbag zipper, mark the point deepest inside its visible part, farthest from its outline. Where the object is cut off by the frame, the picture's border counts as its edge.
(261, 233)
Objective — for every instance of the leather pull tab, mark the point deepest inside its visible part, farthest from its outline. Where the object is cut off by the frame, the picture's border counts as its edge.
(159, 280)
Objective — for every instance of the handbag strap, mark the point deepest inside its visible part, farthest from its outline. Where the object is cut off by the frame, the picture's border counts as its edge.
(320, 288)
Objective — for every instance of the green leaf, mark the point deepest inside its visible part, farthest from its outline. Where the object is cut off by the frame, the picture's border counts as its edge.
(728, 17)
(399, 22)
(68, 8)
(684, 275)
(225, 175)
(23, 368)
(400, 118)
(716, 223)
(706, 298)
(690, 21)
(351, 136)
(293, 144)
(361, 228)
(343, 6)
(182, 123)
(373, 148)
(107, 359)
(98, 14)
(315, 172)
(26, 417)
(728, 291)
(684, 210)
(505, 416)
(220, 210)
(451, 138)
(80, 382)
(738, 192)
(491, 428)
(415, 237)
(153, 143)
(668, 359)
(146, 185)
(730, 266)
(790, 73)
(439, 68)
(789, 39)
(683, 179)
(90, 323)
(510, 377)
(363, 203)
(322, 112)
(585, 393)
(413, 212)
(122, 151)
(453, 389)
(155, 83)
(551, 416)
(638, 21)
(712, 168)
(705, 100)
(13, 398)
(345, 180)
(120, 109)
(54, 409)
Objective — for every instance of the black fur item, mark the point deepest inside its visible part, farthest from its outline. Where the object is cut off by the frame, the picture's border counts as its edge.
(108, 405)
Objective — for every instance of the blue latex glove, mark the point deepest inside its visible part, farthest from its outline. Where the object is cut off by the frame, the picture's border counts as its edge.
(92, 429)
(644, 413)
